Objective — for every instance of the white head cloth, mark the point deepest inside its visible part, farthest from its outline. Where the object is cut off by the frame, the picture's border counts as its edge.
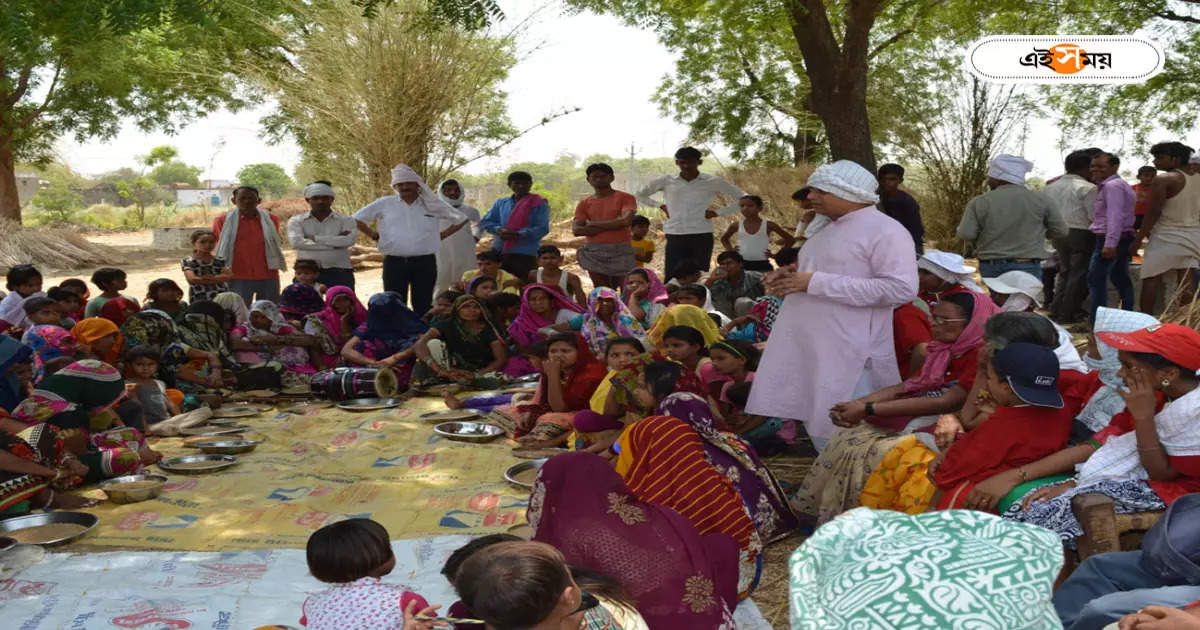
(847, 180)
(1195, 159)
(1020, 286)
(318, 189)
(403, 173)
(1009, 168)
(949, 267)
(462, 193)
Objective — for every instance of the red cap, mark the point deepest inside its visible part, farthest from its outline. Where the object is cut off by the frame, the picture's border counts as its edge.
(1178, 344)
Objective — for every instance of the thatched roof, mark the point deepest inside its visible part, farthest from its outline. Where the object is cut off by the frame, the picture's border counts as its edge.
(51, 248)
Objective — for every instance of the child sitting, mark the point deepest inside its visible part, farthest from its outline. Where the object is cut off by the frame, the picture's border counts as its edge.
(768, 436)
(645, 295)
(24, 282)
(595, 419)
(504, 308)
(306, 272)
(550, 272)
(754, 235)
(166, 296)
(443, 304)
(488, 263)
(80, 289)
(731, 361)
(111, 282)
(352, 555)
(141, 365)
(42, 311)
(643, 248)
(67, 303)
(482, 287)
(207, 276)
(697, 295)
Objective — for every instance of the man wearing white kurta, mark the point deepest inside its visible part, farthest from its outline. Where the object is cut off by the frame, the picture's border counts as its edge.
(833, 338)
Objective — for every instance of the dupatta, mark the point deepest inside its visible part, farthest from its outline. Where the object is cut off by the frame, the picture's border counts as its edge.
(933, 372)
(390, 326)
(72, 395)
(114, 309)
(93, 329)
(657, 294)
(685, 315)
(298, 300)
(518, 219)
(597, 332)
(12, 352)
(679, 579)
(48, 342)
(524, 329)
(626, 381)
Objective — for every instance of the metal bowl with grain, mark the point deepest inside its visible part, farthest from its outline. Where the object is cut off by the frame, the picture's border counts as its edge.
(228, 447)
(133, 488)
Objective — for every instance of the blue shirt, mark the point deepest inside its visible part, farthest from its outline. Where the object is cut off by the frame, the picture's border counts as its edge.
(531, 236)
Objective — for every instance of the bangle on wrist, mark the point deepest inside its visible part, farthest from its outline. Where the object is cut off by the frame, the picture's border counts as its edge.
(870, 409)
(1024, 477)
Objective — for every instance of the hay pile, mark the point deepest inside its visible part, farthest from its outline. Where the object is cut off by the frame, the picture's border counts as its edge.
(51, 248)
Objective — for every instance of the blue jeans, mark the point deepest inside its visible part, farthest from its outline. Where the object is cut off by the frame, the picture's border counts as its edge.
(1117, 268)
(1111, 585)
(989, 269)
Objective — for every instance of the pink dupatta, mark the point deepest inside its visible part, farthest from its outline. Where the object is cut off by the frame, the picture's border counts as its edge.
(933, 372)
(524, 329)
(519, 219)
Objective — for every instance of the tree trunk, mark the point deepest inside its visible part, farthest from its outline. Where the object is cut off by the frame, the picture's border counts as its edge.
(10, 200)
(837, 74)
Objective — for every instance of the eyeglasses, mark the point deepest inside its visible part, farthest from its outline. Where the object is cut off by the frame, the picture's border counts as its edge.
(938, 320)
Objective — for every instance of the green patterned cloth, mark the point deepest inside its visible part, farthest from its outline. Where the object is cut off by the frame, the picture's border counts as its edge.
(888, 570)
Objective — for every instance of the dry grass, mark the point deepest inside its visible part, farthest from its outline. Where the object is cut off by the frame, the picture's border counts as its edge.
(772, 594)
(51, 248)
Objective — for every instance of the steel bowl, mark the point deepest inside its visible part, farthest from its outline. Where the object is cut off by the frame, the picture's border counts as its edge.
(216, 462)
(476, 432)
(213, 429)
(228, 447)
(239, 411)
(528, 378)
(449, 415)
(512, 474)
(12, 525)
(369, 404)
(308, 405)
(118, 495)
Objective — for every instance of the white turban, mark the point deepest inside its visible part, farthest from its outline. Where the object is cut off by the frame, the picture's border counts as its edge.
(847, 180)
(318, 189)
(950, 267)
(403, 173)
(1195, 159)
(1009, 168)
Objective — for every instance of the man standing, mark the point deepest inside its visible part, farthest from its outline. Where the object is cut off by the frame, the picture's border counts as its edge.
(1075, 196)
(408, 236)
(900, 205)
(1172, 224)
(457, 253)
(1009, 225)
(324, 236)
(687, 196)
(604, 218)
(1113, 227)
(733, 288)
(249, 237)
(1145, 176)
(834, 332)
(519, 222)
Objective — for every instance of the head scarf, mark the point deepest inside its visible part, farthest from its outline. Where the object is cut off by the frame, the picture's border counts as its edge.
(12, 352)
(114, 309)
(93, 329)
(330, 318)
(403, 173)
(156, 328)
(73, 394)
(662, 460)
(200, 329)
(679, 579)
(1009, 168)
(685, 315)
(270, 310)
(583, 379)
(658, 291)
(318, 189)
(299, 300)
(524, 329)
(625, 382)
(391, 326)
(462, 193)
(1176, 343)
(893, 552)
(765, 311)
(760, 491)
(235, 305)
(949, 267)
(933, 371)
(847, 180)
(597, 332)
(48, 342)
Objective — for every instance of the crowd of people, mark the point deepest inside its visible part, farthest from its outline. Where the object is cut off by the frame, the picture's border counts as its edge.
(920, 389)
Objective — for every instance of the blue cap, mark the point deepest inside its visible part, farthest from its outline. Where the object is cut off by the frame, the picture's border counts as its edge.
(1032, 372)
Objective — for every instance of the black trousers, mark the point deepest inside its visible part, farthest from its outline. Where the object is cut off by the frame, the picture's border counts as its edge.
(518, 265)
(333, 277)
(400, 273)
(695, 247)
(1071, 287)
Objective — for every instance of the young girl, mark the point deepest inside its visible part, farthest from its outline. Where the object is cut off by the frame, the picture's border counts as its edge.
(23, 282)
(620, 354)
(684, 344)
(482, 287)
(68, 304)
(276, 341)
(754, 235)
(166, 296)
(79, 288)
(732, 361)
(141, 366)
(111, 282)
(352, 555)
(207, 276)
(646, 296)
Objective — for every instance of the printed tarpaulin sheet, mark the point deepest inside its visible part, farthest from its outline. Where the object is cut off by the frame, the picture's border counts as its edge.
(315, 469)
(220, 591)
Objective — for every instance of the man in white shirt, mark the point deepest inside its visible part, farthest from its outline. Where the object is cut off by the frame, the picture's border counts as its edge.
(408, 236)
(1075, 195)
(324, 236)
(687, 197)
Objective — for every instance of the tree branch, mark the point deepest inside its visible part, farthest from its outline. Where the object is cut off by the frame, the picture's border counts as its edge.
(1168, 14)
(22, 85)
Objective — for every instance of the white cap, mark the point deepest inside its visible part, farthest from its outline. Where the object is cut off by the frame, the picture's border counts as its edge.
(847, 180)
(1009, 168)
(949, 261)
(1017, 282)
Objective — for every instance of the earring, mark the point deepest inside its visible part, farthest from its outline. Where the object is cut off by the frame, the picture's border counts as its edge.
(1166, 383)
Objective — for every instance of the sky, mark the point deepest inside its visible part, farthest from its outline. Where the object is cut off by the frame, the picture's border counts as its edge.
(589, 61)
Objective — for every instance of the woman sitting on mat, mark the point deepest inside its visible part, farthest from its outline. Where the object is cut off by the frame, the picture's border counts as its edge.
(541, 306)
(49, 343)
(16, 372)
(592, 423)
(645, 296)
(34, 468)
(388, 338)
(1156, 459)
(298, 301)
(100, 337)
(334, 325)
(606, 318)
(275, 341)
(156, 328)
(203, 328)
(570, 375)
(462, 349)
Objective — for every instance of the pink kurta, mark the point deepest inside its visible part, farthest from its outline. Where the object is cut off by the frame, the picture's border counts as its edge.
(840, 332)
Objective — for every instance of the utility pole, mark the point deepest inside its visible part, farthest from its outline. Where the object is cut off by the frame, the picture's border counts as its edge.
(631, 185)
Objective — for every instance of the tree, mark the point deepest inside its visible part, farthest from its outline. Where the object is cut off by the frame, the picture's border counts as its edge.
(270, 179)
(175, 172)
(59, 201)
(80, 67)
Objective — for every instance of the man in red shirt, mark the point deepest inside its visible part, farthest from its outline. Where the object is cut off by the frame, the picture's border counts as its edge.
(251, 243)
(1145, 176)
(604, 218)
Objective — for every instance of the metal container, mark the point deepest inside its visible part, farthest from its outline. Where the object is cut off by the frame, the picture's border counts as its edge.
(239, 410)
(215, 463)
(369, 404)
(228, 447)
(476, 432)
(89, 521)
(308, 405)
(213, 429)
(449, 415)
(511, 475)
(118, 495)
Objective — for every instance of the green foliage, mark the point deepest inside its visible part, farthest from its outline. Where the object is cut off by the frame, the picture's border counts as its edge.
(270, 179)
(58, 201)
(175, 172)
(468, 14)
